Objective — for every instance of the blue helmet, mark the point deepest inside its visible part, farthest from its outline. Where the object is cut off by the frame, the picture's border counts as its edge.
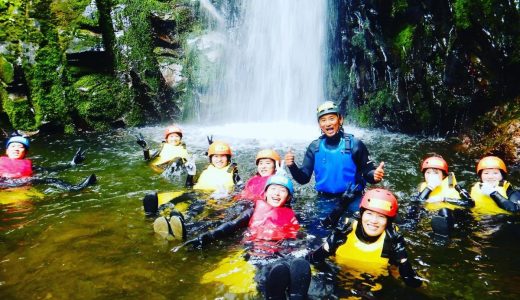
(281, 180)
(18, 139)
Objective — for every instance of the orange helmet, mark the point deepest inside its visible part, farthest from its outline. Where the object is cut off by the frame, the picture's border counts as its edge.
(435, 162)
(267, 153)
(218, 147)
(172, 129)
(491, 162)
(381, 201)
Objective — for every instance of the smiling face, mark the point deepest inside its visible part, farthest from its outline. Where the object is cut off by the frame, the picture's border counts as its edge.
(374, 224)
(330, 124)
(265, 167)
(219, 160)
(491, 176)
(174, 139)
(16, 151)
(276, 195)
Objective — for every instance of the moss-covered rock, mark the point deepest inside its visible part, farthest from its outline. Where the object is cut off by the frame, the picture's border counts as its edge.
(100, 100)
(6, 71)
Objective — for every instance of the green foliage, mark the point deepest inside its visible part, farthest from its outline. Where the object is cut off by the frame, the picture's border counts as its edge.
(404, 40)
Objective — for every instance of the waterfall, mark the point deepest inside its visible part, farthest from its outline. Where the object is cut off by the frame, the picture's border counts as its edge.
(271, 66)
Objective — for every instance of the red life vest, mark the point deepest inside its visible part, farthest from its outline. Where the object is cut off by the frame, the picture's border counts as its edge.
(254, 189)
(272, 223)
(15, 168)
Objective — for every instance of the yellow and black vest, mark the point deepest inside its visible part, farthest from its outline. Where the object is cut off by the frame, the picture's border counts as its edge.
(359, 255)
(445, 190)
(168, 153)
(484, 205)
(212, 179)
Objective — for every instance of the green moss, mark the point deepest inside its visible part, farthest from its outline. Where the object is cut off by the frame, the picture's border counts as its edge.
(45, 80)
(404, 40)
(102, 99)
(19, 112)
(6, 71)
(358, 40)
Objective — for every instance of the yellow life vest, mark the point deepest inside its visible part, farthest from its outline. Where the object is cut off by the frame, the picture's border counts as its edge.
(168, 153)
(484, 205)
(363, 257)
(19, 194)
(445, 190)
(213, 179)
(235, 273)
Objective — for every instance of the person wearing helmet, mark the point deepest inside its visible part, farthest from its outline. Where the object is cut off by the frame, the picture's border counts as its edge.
(17, 170)
(493, 194)
(439, 192)
(371, 243)
(338, 161)
(173, 151)
(266, 165)
(270, 222)
(221, 174)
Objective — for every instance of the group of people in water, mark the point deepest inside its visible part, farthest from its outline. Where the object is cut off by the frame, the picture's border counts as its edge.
(353, 224)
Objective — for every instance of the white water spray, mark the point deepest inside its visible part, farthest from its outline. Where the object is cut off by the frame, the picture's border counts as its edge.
(272, 67)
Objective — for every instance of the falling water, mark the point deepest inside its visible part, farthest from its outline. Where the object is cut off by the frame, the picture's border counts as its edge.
(272, 65)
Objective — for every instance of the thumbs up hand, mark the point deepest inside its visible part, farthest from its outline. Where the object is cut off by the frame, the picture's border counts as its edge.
(289, 158)
(379, 173)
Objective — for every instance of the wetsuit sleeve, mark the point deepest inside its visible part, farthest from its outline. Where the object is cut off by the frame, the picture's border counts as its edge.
(399, 256)
(226, 229)
(505, 203)
(361, 158)
(466, 200)
(303, 175)
(337, 238)
(513, 195)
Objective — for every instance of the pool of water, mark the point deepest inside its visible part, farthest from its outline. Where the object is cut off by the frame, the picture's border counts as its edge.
(97, 244)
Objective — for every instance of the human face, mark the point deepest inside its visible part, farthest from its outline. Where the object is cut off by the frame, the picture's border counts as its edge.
(16, 151)
(330, 124)
(276, 195)
(174, 139)
(433, 172)
(492, 176)
(219, 160)
(265, 167)
(374, 223)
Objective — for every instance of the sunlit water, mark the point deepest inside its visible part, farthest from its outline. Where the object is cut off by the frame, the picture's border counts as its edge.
(97, 243)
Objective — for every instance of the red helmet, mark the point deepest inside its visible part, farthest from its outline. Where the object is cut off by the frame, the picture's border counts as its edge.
(267, 153)
(381, 201)
(491, 162)
(218, 147)
(172, 129)
(435, 162)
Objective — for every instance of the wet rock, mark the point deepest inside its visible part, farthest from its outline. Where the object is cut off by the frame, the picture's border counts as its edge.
(171, 71)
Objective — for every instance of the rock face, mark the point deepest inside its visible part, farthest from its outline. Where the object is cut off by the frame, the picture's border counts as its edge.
(423, 66)
(496, 133)
(90, 64)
